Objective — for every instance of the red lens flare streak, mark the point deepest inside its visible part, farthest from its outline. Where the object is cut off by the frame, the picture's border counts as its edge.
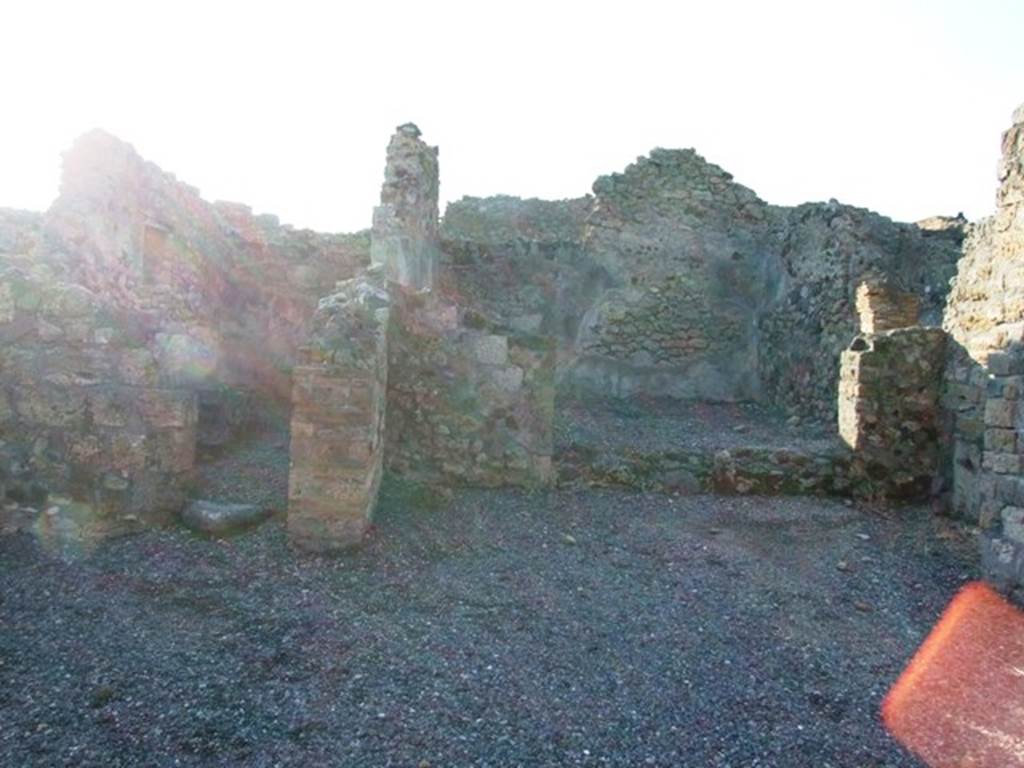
(960, 701)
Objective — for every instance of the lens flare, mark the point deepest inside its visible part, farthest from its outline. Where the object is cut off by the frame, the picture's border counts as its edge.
(960, 701)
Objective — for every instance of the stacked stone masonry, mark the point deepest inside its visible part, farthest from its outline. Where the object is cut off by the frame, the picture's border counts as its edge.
(985, 318)
(338, 412)
(880, 307)
(889, 410)
(468, 405)
(464, 403)
(84, 412)
(405, 240)
(139, 319)
(752, 470)
(671, 279)
(227, 296)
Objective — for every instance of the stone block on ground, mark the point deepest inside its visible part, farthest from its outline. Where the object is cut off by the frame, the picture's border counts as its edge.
(219, 518)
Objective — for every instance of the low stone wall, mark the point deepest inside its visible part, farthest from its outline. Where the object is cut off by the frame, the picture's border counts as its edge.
(338, 414)
(889, 412)
(754, 470)
(467, 405)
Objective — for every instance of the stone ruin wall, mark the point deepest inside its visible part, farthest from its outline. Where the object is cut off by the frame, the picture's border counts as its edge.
(824, 253)
(139, 320)
(673, 280)
(889, 399)
(469, 401)
(398, 375)
(985, 374)
(468, 405)
(521, 266)
(84, 414)
(404, 239)
(227, 295)
(683, 249)
(669, 280)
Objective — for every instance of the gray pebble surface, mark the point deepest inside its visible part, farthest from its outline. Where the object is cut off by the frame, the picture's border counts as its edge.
(495, 628)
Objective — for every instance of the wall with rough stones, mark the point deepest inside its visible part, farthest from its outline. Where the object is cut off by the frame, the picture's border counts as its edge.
(137, 320)
(84, 413)
(405, 240)
(339, 393)
(674, 280)
(684, 247)
(397, 375)
(985, 373)
(521, 265)
(467, 405)
(824, 253)
(670, 279)
(470, 399)
(890, 387)
(226, 295)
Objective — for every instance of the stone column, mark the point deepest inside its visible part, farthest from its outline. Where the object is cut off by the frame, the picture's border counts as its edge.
(405, 239)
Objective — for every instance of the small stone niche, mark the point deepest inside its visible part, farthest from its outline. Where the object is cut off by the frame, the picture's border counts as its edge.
(883, 307)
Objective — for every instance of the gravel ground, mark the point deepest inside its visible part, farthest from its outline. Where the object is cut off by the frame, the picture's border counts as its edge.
(252, 470)
(665, 425)
(499, 628)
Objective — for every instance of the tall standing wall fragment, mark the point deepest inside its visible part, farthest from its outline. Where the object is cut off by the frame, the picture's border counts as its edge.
(405, 239)
(468, 402)
(985, 374)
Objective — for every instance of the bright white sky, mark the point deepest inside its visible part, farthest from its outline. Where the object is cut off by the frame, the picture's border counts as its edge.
(896, 106)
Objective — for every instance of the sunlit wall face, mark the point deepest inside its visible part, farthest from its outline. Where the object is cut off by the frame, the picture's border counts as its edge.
(888, 106)
(960, 701)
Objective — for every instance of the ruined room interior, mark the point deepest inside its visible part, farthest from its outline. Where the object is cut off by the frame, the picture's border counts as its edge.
(180, 376)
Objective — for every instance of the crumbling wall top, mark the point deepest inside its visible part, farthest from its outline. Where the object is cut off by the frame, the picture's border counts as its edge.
(882, 306)
(1011, 167)
(504, 219)
(405, 224)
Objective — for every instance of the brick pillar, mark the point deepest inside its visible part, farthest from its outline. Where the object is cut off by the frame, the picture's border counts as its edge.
(339, 393)
(337, 428)
(881, 307)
